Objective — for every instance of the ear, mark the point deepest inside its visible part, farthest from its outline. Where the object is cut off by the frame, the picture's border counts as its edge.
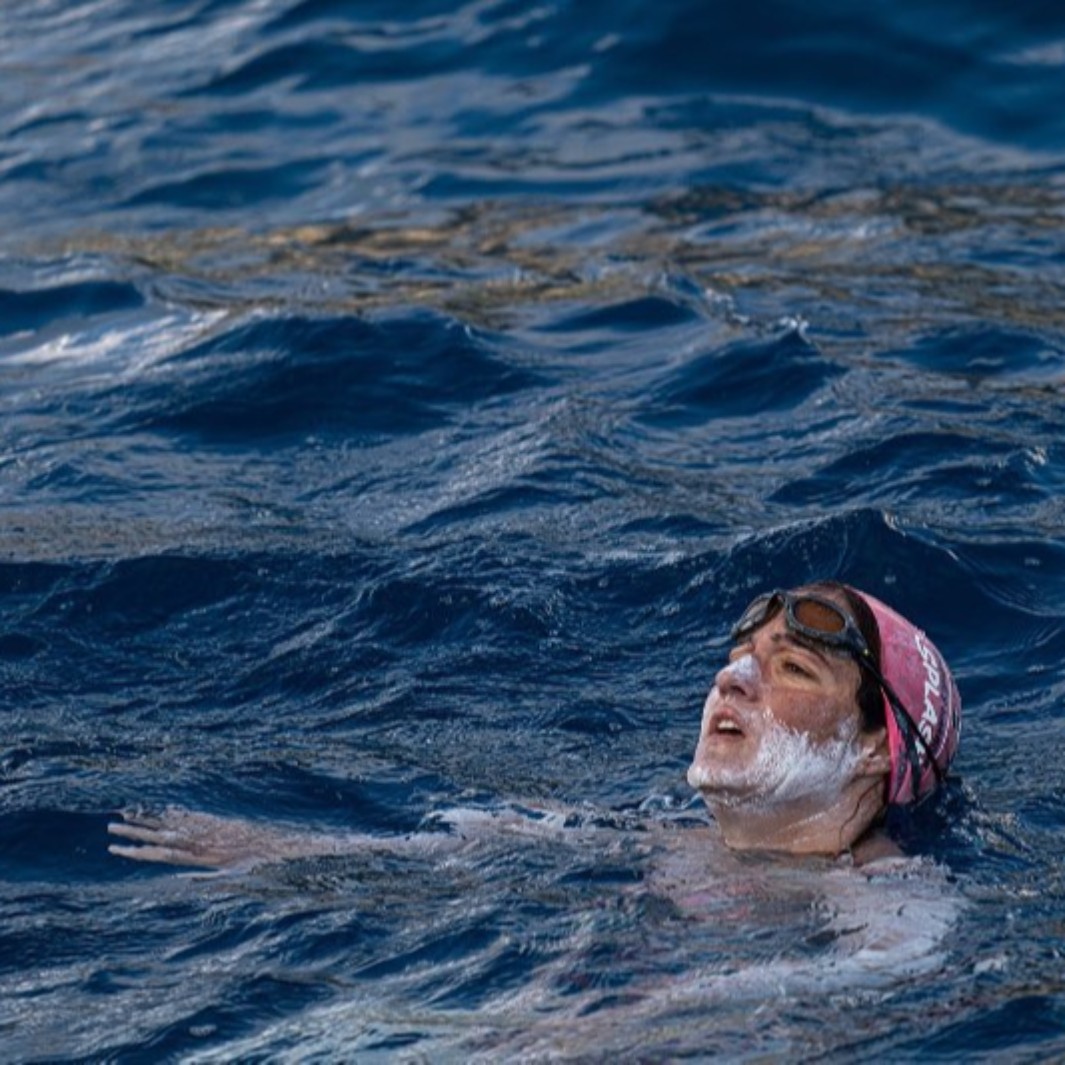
(875, 758)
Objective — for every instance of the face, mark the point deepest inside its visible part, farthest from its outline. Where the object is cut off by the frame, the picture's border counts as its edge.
(780, 724)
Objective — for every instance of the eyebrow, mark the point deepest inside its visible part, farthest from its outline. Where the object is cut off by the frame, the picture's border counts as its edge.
(805, 645)
(825, 656)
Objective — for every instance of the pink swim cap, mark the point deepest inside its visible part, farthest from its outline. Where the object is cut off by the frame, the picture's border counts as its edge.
(915, 670)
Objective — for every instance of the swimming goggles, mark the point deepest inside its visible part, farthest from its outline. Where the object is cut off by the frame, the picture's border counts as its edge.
(821, 621)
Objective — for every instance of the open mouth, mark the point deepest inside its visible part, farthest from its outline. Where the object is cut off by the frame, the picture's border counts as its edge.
(727, 726)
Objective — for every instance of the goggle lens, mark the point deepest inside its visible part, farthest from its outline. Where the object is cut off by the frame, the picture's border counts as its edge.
(808, 615)
(818, 616)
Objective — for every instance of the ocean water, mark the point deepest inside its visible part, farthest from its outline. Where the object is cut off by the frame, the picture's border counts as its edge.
(397, 405)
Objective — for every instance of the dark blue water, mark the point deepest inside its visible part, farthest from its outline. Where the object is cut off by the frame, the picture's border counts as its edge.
(397, 403)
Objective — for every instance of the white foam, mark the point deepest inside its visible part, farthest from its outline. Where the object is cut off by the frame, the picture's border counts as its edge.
(120, 349)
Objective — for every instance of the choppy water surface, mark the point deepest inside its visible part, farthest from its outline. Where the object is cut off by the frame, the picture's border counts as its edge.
(396, 406)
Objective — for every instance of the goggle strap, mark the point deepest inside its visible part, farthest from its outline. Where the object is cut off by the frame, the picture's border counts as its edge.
(912, 735)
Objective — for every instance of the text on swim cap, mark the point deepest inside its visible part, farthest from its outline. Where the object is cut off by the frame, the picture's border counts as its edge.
(932, 680)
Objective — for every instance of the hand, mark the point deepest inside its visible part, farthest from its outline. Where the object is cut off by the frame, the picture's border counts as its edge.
(181, 837)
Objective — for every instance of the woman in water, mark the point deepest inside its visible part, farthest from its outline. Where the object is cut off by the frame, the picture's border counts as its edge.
(831, 708)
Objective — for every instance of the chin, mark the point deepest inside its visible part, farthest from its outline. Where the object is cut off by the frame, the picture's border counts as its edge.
(720, 764)
(699, 777)
(718, 786)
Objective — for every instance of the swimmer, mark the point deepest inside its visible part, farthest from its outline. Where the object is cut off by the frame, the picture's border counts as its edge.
(832, 708)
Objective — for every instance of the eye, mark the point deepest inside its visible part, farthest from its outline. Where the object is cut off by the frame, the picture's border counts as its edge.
(797, 670)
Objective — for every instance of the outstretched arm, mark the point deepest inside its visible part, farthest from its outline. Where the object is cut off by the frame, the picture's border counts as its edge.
(183, 837)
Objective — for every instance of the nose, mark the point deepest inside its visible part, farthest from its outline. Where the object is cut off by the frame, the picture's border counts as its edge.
(742, 678)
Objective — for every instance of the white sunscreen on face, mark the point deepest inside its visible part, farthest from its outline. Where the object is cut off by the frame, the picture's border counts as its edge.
(745, 670)
(787, 764)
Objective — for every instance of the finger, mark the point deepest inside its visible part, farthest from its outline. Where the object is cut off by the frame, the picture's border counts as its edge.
(153, 853)
(168, 855)
(140, 817)
(140, 833)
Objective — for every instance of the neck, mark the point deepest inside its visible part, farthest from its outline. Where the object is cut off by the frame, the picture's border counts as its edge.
(801, 827)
